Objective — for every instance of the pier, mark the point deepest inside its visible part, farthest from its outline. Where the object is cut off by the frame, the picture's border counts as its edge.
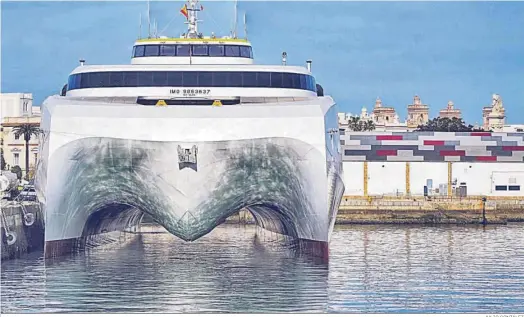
(29, 236)
(22, 227)
(433, 210)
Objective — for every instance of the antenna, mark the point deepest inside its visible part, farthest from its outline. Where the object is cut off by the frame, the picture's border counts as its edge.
(140, 27)
(192, 20)
(236, 18)
(148, 20)
(245, 26)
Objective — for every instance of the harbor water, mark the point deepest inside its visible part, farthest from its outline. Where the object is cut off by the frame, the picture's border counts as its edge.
(372, 269)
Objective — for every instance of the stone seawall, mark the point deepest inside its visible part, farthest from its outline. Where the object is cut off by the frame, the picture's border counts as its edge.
(419, 210)
(26, 223)
(423, 210)
(22, 229)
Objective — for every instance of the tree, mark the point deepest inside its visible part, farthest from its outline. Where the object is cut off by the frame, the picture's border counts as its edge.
(17, 170)
(356, 124)
(26, 130)
(2, 160)
(448, 125)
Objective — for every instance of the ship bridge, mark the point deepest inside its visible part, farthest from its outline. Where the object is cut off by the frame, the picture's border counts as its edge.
(192, 47)
(199, 51)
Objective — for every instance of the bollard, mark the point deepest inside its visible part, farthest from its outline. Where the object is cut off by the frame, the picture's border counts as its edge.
(484, 220)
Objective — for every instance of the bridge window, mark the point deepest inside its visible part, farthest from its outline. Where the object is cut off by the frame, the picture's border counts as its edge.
(152, 50)
(194, 50)
(139, 50)
(216, 50)
(232, 51)
(199, 50)
(183, 50)
(167, 50)
(191, 79)
(245, 51)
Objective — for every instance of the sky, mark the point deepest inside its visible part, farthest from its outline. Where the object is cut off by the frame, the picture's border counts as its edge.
(441, 51)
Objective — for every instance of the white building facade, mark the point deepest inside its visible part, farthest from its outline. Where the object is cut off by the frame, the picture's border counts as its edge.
(17, 109)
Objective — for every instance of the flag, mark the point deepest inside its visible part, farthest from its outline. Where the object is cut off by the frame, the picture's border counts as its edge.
(201, 8)
(184, 11)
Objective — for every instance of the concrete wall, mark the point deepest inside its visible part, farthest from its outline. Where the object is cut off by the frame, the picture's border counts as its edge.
(399, 163)
(391, 178)
(29, 237)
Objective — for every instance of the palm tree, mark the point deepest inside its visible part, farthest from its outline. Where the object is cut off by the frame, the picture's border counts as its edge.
(26, 130)
(369, 125)
(356, 124)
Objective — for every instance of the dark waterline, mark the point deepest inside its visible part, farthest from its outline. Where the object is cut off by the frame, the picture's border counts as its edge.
(372, 269)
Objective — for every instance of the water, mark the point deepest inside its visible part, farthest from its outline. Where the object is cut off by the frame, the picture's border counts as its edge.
(372, 269)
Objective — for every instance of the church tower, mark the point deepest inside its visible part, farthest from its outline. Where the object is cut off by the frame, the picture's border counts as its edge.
(418, 113)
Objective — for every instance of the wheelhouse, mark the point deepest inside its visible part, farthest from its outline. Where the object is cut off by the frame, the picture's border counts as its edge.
(192, 51)
(186, 50)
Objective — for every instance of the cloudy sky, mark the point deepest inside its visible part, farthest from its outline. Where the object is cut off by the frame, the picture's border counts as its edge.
(442, 51)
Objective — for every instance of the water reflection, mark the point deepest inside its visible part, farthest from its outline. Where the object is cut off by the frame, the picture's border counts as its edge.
(230, 270)
(410, 269)
(372, 269)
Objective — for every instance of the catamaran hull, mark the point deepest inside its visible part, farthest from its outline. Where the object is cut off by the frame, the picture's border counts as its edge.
(104, 166)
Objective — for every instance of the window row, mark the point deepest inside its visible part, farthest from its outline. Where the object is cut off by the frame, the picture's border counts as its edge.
(510, 187)
(192, 50)
(191, 79)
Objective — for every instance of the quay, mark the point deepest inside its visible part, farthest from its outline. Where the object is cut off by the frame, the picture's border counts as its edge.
(430, 210)
(22, 223)
(420, 210)
(22, 227)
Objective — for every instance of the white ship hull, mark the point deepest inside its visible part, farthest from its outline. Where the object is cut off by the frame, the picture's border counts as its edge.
(189, 167)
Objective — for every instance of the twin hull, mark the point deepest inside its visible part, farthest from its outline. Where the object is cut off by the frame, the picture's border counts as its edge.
(189, 167)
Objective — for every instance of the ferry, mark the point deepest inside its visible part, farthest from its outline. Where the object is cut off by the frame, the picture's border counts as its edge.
(189, 133)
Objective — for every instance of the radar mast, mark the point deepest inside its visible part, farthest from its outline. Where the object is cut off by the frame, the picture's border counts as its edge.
(192, 7)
